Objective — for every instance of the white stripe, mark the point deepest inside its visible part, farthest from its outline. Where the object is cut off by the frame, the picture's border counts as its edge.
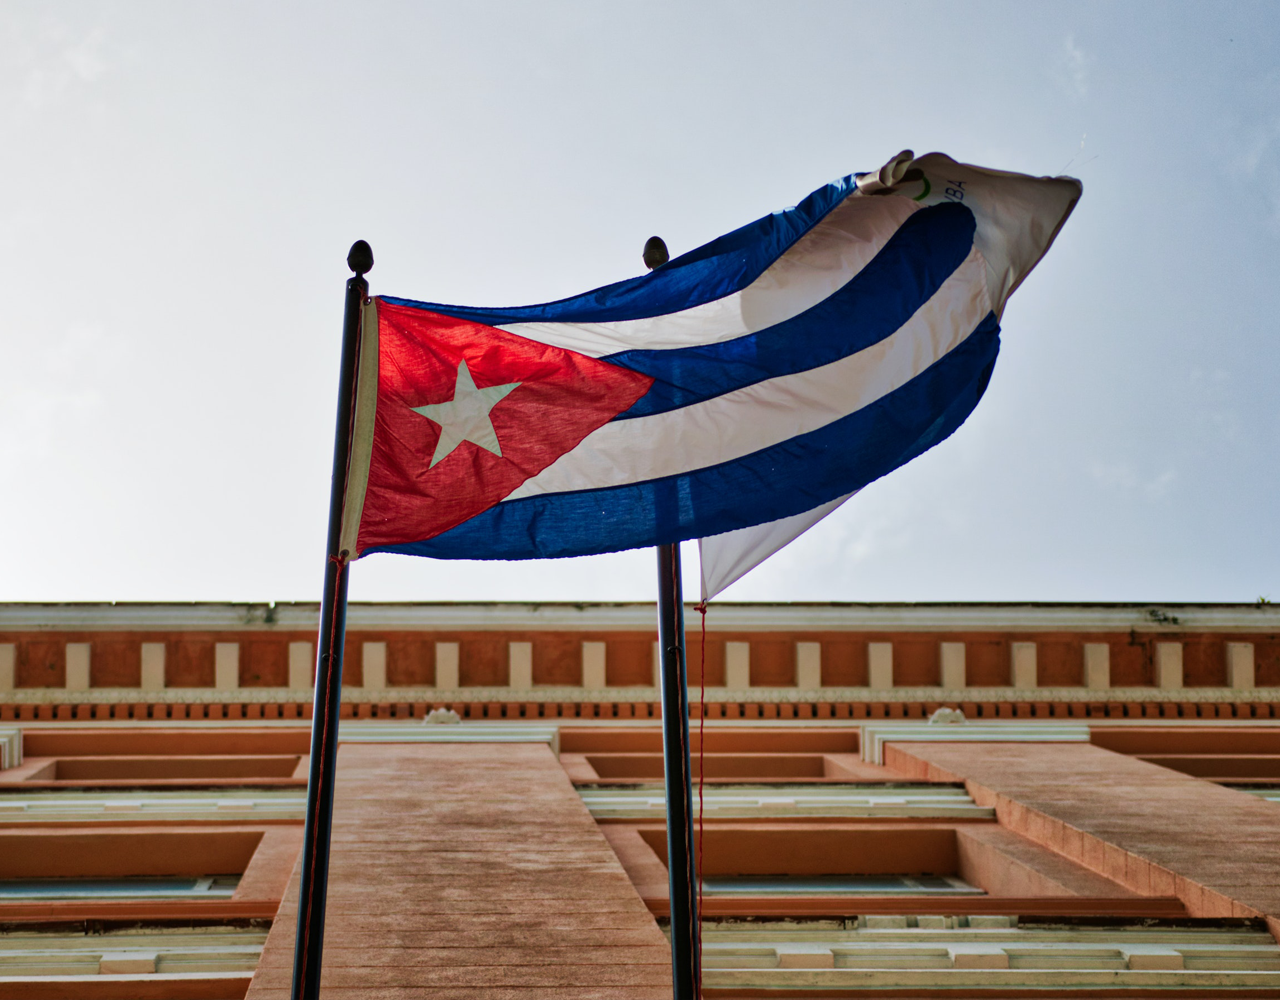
(822, 261)
(726, 558)
(746, 420)
(1017, 216)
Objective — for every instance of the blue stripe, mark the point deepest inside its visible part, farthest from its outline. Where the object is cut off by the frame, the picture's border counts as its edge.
(788, 478)
(902, 277)
(712, 271)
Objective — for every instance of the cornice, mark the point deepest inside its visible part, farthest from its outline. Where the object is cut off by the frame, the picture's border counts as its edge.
(639, 616)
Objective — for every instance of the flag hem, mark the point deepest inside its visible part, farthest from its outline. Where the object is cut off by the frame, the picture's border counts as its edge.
(362, 427)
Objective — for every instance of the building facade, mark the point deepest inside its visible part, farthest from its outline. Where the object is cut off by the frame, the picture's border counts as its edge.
(897, 800)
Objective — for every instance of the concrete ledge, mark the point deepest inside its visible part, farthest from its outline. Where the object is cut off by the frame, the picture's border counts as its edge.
(875, 735)
(353, 731)
(160, 986)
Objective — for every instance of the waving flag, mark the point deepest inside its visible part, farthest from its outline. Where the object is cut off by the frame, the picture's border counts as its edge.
(748, 386)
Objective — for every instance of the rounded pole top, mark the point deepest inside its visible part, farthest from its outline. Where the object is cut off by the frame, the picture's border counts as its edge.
(655, 253)
(360, 257)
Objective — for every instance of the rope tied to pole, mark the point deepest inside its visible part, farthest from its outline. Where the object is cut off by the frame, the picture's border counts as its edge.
(701, 607)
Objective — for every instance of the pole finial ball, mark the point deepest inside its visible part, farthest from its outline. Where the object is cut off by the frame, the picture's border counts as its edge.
(360, 257)
(655, 253)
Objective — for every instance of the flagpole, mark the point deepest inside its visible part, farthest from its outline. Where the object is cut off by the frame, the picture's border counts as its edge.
(686, 958)
(309, 945)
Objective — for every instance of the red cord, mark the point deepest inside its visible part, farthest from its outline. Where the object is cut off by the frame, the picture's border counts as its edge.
(702, 746)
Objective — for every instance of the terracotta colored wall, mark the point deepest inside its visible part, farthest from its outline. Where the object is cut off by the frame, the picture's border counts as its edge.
(1133, 661)
(1266, 660)
(264, 663)
(115, 659)
(1151, 829)
(844, 661)
(411, 659)
(267, 874)
(115, 662)
(189, 663)
(483, 661)
(353, 658)
(1060, 662)
(1188, 739)
(45, 853)
(714, 658)
(1204, 661)
(557, 658)
(41, 663)
(629, 662)
(773, 663)
(537, 906)
(916, 662)
(987, 663)
(164, 742)
(822, 850)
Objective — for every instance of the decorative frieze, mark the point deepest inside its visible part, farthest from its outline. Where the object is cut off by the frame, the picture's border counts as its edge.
(1157, 662)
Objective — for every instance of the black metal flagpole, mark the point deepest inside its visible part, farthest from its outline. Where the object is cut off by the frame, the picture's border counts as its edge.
(309, 945)
(686, 958)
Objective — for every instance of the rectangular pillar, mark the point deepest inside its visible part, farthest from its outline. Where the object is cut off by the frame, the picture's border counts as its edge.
(447, 666)
(153, 655)
(77, 666)
(8, 661)
(520, 665)
(226, 666)
(1240, 670)
(1097, 666)
(737, 665)
(593, 663)
(952, 659)
(880, 665)
(302, 666)
(1168, 665)
(808, 665)
(375, 666)
(489, 847)
(1022, 656)
(1155, 831)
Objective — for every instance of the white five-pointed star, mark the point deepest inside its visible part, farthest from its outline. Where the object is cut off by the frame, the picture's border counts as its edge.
(466, 416)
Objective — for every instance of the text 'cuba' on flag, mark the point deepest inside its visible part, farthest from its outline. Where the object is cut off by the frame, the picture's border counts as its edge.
(737, 394)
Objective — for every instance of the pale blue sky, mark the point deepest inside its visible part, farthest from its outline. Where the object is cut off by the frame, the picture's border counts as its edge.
(181, 183)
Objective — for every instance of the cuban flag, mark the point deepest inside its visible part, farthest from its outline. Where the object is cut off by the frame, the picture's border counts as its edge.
(737, 394)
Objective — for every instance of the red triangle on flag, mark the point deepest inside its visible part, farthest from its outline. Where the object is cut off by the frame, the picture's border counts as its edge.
(466, 413)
